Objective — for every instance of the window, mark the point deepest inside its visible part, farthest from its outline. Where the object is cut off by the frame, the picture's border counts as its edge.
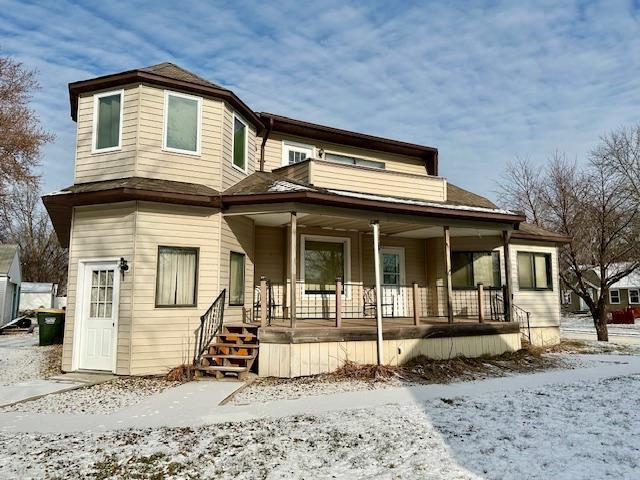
(182, 123)
(177, 277)
(236, 279)
(107, 121)
(468, 269)
(534, 271)
(566, 297)
(349, 160)
(324, 260)
(295, 152)
(239, 144)
(614, 297)
(634, 295)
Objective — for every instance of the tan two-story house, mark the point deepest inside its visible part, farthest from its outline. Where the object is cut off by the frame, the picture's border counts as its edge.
(200, 230)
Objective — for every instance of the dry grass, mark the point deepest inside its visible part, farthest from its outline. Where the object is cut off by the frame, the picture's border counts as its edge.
(182, 373)
(51, 364)
(425, 370)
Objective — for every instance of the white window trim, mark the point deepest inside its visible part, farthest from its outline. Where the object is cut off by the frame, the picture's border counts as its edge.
(346, 241)
(611, 299)
(638, 294)
(286, 144)
(167, 94)
(94, 133)
(246, 142)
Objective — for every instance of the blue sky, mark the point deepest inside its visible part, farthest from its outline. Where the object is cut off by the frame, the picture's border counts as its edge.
(482, 81)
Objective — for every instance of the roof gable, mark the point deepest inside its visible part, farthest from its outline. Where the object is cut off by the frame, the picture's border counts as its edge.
(7, 254)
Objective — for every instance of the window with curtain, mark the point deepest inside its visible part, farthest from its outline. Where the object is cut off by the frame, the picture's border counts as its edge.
(534, 271)
(239, 144)
(181, 123)
(107, 129)
(349, 160)
(468, 269)
(236, 279)
(323, 263)
(176, 277)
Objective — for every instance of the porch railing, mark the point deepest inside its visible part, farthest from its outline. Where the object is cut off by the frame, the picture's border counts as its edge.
(352, 300)
(210, 325)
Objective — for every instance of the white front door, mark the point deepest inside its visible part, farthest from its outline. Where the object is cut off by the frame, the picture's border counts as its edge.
(394, 295)
(99, 316)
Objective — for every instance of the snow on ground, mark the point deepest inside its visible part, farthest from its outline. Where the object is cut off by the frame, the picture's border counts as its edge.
(21, 358)
(586, 322)
(564, 431)
(97, 399)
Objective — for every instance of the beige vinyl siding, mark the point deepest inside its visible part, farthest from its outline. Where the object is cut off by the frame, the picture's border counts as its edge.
(163, 338)
(303, 359)
(99, 232)
(154, 162)
(91, 167)
(230, 174)
(544, 305)
(237, 235)
(270, 245)
(376, 181)
(300, 172)
(398, 163)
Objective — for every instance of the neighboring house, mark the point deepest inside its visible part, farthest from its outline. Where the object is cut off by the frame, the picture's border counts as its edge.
(9, 283)
(622, 294)
(35, 295)
(185, 201)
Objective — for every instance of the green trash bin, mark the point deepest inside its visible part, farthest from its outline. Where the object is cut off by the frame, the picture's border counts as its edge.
(50, 325)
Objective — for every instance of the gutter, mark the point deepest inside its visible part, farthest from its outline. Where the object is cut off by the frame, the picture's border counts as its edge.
(264, 142)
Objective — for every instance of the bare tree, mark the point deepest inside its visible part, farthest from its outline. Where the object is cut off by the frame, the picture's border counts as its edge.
(24, 221)
(619, 152)
(21, 136)
(593, 208)
(520, 188)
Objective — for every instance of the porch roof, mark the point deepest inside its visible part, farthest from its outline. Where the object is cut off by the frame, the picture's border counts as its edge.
(270, 187)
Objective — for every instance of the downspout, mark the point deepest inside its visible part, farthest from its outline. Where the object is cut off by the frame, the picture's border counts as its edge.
(264, 142)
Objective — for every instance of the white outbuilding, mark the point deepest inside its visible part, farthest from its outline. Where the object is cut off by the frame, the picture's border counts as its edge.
(10, 280)
(34, 295)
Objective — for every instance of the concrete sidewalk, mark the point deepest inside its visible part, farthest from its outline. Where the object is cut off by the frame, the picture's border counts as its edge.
(197, 403)
(33, 389)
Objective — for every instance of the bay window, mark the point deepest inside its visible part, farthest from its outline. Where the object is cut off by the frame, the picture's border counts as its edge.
(239, 144)
(176, 278)
(236, 278)
(182, 123)
(107, 121)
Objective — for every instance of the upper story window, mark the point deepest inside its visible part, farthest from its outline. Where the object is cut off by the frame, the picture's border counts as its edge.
(468, 269)
(295, 152)
(349, 160)
(182, 123)
(534, 271)
(107, 121)
(239, 144)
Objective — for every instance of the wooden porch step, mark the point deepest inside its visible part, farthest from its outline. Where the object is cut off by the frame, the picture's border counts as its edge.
(234, 345)
(223, 368)
(238, 335)
(230, 356)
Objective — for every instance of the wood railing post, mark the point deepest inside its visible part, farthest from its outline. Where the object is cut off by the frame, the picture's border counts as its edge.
(447, 272)
(338, 302)
(416, 304)
(481, 302)
(264, 301)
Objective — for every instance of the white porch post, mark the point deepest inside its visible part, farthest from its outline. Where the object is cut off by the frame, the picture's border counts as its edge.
(508, 303)
(293, 251)
(376, 262)
(447, 273)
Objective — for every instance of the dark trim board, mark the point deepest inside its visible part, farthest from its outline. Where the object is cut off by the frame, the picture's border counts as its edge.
(285, 335)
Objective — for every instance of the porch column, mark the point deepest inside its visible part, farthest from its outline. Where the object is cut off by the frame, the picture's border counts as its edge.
(376, 263)
(293, 251)
(447, 270)
(507, 294)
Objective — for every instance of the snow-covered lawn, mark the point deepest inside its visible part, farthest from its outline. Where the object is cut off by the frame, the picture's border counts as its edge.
(566, 431)
(586, 322)
(21, 358)
(97, 399)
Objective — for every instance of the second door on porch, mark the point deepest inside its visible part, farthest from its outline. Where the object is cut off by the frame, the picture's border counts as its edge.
(392, 272)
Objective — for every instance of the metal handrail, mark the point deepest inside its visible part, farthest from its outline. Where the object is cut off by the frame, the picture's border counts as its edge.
(210, 325)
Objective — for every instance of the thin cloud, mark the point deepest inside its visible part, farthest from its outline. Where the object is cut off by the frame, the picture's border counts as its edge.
(483, 82)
